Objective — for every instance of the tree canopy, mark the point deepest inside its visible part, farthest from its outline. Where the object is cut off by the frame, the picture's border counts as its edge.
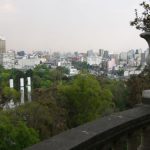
(58, 103)
(85, 99)
(15, 135)
(142, 22)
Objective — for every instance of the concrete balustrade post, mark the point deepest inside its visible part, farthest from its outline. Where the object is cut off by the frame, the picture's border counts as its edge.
(146, 97)
(145, 139)
(145, 136)
(102, 148)
(118, 145)
(106, 147)
(132, 141)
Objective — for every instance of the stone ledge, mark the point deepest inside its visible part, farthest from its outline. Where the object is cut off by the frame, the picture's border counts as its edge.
(98, 132)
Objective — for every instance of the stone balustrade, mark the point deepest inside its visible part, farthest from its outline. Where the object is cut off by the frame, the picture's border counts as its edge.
(126, 130)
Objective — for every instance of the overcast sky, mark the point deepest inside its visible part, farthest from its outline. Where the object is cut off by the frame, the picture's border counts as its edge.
(70, 25)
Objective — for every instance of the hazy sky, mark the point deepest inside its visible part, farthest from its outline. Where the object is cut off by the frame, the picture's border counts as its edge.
(70, 25)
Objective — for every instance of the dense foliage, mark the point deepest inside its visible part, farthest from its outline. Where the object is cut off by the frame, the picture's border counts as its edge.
(15, 135)
(85, 100)
(136, 85)
(58, 102)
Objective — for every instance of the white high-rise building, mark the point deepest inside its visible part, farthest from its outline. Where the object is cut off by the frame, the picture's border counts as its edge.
(7, 60)
(123, 56)
(93, 58)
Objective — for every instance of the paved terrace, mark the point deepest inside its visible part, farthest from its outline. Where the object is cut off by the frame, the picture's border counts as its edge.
(120, 131)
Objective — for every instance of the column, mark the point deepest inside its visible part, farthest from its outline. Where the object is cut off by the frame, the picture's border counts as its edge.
(105, 146)
(132, 141)
(11, 83)
(29, 88)
(145, 139)
(119, 144)
(22, 90)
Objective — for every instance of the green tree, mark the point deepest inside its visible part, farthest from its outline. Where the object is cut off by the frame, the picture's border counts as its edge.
(136, 85)
(15, 135)
(8, 94)
(119, 90)
(29, 73)
(5, 75)
(120, 94)
(85, 100)
(83, 66)
(36, 81)
(16, 75)
(36, 116)
(142, 22)
(46, 83)
(42, 114)
(48, 99)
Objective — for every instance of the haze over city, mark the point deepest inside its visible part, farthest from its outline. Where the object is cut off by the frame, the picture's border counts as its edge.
(69, 25)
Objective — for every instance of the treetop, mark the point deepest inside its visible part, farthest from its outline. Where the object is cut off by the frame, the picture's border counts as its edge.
(142, 22)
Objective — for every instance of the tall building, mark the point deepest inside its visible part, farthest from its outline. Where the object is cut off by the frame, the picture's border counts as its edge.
(2, 45)
(130, 58)
(93, 59)
(130, 54)
(106, 54)
(137, 56)
(7, 60)
(90, 53)
(123, 56)
(101, 52)
(116, 57)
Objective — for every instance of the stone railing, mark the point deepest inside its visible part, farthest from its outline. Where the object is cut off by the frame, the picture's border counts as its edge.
(127, 130)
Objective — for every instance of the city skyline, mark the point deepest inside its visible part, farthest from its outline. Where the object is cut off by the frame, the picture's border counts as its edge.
(70, 25)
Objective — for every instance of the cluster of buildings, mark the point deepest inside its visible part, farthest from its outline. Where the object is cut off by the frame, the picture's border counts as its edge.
(100, 62)
(129, 63)
(103, 62)
(131, 58)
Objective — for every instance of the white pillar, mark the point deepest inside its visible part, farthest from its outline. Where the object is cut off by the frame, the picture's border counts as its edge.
(11, 83)
(29, 88)
(11, 102)
(22, 90)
